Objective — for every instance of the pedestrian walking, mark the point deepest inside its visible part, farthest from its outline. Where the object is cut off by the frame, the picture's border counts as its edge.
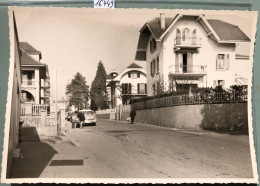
(132, 115)
(81, 118)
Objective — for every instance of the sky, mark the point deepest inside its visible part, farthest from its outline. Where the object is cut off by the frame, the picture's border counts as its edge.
(74, 40)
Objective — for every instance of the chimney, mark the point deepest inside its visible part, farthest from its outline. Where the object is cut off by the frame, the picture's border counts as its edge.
(162, 21)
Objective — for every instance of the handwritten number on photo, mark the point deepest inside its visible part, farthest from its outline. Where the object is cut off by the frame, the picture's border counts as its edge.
(104, 4)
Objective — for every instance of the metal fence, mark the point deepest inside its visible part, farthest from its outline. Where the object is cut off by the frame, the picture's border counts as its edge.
(195, 99)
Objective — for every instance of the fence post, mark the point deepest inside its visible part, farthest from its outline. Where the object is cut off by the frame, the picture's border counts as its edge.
(43, 118)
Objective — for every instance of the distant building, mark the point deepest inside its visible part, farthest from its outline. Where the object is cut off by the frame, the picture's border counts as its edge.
(35, 76)
(189, 51)
(130, 83)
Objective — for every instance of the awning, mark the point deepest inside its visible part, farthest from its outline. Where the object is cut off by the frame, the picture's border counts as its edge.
(187, 81)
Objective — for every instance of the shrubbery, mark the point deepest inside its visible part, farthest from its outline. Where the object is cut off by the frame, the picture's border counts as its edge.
(238, 89)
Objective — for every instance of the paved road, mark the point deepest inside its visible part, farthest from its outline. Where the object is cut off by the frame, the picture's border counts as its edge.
(121, 150)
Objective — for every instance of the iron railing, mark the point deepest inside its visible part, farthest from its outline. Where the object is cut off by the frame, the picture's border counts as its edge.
(195, 99)
(193, 69)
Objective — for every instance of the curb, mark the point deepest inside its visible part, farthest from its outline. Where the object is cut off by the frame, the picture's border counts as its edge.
(71, 139)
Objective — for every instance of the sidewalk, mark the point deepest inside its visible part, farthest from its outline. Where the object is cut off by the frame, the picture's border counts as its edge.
(39, 159)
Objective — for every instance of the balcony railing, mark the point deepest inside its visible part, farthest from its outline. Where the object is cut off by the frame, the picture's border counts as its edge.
(29, 82)
(188, 41)
(188, 69)
(45, 94)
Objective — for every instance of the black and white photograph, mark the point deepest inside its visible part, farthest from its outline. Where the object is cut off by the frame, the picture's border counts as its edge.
(129, 96)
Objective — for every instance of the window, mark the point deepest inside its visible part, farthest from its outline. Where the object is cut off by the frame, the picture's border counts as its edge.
(126, 88)
(157, 64)
(219, 83)
(194, 37)
(178, 36)
(134, 75)
(152, 45)
(141, 88)
(185, 34)
(222, 62)
(27, 77)
(152, 67)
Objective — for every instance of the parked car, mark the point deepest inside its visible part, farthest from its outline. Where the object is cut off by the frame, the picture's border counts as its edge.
(90, 118)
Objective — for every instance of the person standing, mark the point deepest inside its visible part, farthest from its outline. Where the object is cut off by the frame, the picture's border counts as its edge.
(81, 118)
(132, 115)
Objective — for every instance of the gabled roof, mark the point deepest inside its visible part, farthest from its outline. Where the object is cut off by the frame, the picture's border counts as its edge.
(220, 31)
(28, 48)
(227, 31)
(27, 60)
(155, 26)
(110, 76)
(134, 65)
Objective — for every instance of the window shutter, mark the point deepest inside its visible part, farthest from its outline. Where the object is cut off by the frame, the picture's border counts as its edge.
(138, 88)
(129, 88)
(214, 83)
(158, 64)
(151, 67)
(138, 75)
(217, 62)
(189, 62)
(145, 88)
(123, 88)
(227, 62)
(177, 62)
(151, 46)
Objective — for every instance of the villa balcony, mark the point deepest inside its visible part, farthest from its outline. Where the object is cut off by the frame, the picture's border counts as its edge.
(187, 70)
(45, 95)
(45, 83)
(29, 83)
(190, 42)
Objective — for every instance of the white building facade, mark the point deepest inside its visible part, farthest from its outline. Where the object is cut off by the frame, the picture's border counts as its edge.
(189, 51)
(130, 83)
(35, 76)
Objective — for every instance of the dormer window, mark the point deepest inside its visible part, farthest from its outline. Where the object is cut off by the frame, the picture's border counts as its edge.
(152, 45)
(134, 75)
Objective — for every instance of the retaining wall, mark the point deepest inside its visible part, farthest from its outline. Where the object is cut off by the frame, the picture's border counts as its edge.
(207, 116)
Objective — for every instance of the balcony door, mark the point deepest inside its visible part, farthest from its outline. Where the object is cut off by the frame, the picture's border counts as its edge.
(187, 62)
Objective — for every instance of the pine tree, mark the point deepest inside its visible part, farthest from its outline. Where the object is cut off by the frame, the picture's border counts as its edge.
(98, 91)
(78, 92)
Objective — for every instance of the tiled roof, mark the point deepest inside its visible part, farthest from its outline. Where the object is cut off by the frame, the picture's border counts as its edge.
(26, 59)
(134, 65)
(227, 31)
(28, 48)
(109, 76)
(155, 26)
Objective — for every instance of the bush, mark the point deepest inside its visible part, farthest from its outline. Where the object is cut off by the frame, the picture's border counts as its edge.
(206, 91)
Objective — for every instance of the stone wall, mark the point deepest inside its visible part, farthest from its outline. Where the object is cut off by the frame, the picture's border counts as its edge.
(45, 125)
(206, 116)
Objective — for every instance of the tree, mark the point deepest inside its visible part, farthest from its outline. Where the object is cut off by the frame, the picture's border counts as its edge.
(78, 92)
(98, 91)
